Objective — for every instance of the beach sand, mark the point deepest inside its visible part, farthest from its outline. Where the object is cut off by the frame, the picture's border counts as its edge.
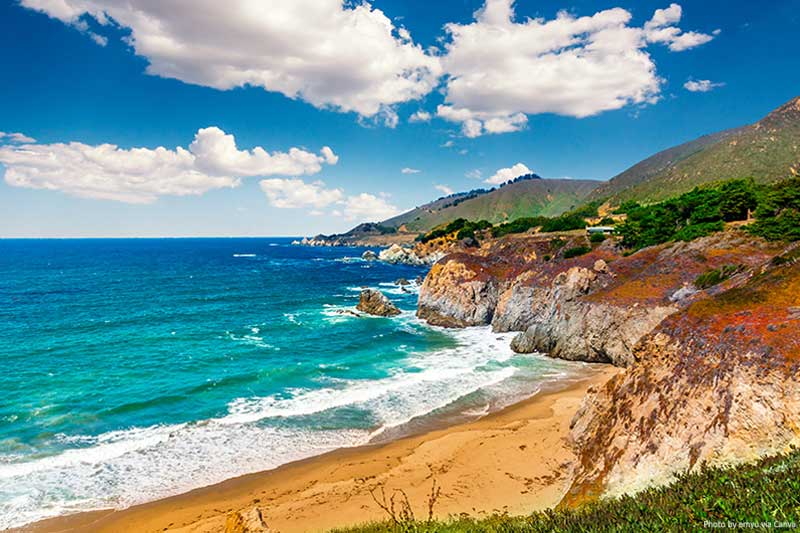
(516, 460)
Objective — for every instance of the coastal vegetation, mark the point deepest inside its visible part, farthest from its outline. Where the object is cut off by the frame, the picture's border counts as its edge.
(704, 211)
(759, 493)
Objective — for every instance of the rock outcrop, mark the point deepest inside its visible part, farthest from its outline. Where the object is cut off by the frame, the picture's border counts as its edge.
(716, 383)
(594, 307)
(374, 302)
(458, 293)
(397, 254)
(369, 255)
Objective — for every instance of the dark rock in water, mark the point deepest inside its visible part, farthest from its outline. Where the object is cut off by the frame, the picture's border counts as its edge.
(374, 302)
(369, 255)
(419, 280)
(348, 312)
(402, 282)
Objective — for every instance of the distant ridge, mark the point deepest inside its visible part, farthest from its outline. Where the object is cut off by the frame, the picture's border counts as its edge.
(527, 195)
(767, 151)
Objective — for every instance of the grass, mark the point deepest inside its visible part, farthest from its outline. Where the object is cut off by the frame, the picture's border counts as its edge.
(767, 491)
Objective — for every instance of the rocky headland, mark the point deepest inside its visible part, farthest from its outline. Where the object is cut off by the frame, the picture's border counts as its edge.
(711, 372)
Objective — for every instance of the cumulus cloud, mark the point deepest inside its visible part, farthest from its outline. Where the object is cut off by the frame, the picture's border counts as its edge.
(500, 70)
(444, 189)
(141, 175)
(420, 116)
(701, 86)
(294, 193)
(367, 207)
(15, 137)
(509, 173)
(347, 56)
(409, 170)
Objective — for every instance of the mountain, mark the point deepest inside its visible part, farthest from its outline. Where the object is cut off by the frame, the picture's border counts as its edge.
(528, 195)
(767, 151)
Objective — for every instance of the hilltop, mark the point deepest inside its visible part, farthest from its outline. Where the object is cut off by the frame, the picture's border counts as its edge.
(767, 151)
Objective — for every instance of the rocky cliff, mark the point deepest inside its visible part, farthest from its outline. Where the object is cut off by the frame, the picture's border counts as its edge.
(715, 383)
(712, 370)
(594, 307)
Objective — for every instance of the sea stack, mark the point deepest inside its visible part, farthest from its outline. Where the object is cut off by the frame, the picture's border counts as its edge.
(374, 302)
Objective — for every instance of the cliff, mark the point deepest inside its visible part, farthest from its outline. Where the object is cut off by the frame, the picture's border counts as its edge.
(594, 307)
(712, 367)
(714, 383)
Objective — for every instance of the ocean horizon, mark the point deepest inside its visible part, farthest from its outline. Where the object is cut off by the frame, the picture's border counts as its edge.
(142, 368)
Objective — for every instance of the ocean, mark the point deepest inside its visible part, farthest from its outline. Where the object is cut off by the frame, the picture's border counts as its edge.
(135, 369)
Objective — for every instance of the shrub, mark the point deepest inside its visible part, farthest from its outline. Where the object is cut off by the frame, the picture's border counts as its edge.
(715, 276)
(608, 221)
(564, 223)
(519, 225)
(778, 212)
(597, 237)
(576, 251)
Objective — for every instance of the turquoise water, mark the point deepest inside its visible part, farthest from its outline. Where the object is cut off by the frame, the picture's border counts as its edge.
(137, 369)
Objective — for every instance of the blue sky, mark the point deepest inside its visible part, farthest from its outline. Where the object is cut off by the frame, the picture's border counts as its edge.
(585, 98)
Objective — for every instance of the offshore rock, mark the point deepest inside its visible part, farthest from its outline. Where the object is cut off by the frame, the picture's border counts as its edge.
(374, 302)
(369, 255)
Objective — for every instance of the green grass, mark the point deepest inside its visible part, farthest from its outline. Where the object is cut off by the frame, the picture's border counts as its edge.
(767, 491)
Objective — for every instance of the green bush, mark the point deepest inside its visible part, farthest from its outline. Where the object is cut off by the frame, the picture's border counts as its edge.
(597, 237)
(608, 221)
(519, 225)
(715, 276)
(576, 251)
(461, 226)
(564, 223)
(778, 212)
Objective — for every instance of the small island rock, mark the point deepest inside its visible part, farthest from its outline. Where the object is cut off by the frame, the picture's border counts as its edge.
(374, 302)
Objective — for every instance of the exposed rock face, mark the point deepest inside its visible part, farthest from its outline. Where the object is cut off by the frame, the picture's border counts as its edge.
(374, 302)
(716, 383)
(456, 293)
(369, 255)
(396, 254)
(595, 307)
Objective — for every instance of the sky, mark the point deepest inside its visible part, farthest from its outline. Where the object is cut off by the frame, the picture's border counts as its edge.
(145, 118)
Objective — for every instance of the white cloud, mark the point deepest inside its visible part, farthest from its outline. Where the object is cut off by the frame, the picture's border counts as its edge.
(448, 144)
(701, 86)
(444, 189)
(420, 116)
(15, 137)
(408, 170)
(367, 207)
(141, 175)
(501, 70)
(294, 193)
(660, 29)
(332, 54)
(474, 174)
(509, 173)
(99, 39)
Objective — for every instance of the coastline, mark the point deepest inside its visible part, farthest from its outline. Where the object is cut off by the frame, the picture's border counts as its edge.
(515, 460)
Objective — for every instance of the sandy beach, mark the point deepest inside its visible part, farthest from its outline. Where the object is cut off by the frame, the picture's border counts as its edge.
(514, 460)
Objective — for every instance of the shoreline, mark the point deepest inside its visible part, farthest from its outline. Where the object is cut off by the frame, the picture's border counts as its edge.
(514, 460)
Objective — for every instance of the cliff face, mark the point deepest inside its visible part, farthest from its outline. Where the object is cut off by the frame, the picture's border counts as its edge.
(594, 307)
(716, 383)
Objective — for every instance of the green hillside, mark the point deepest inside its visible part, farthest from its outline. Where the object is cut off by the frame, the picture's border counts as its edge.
(522, 198)
(767, 151)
